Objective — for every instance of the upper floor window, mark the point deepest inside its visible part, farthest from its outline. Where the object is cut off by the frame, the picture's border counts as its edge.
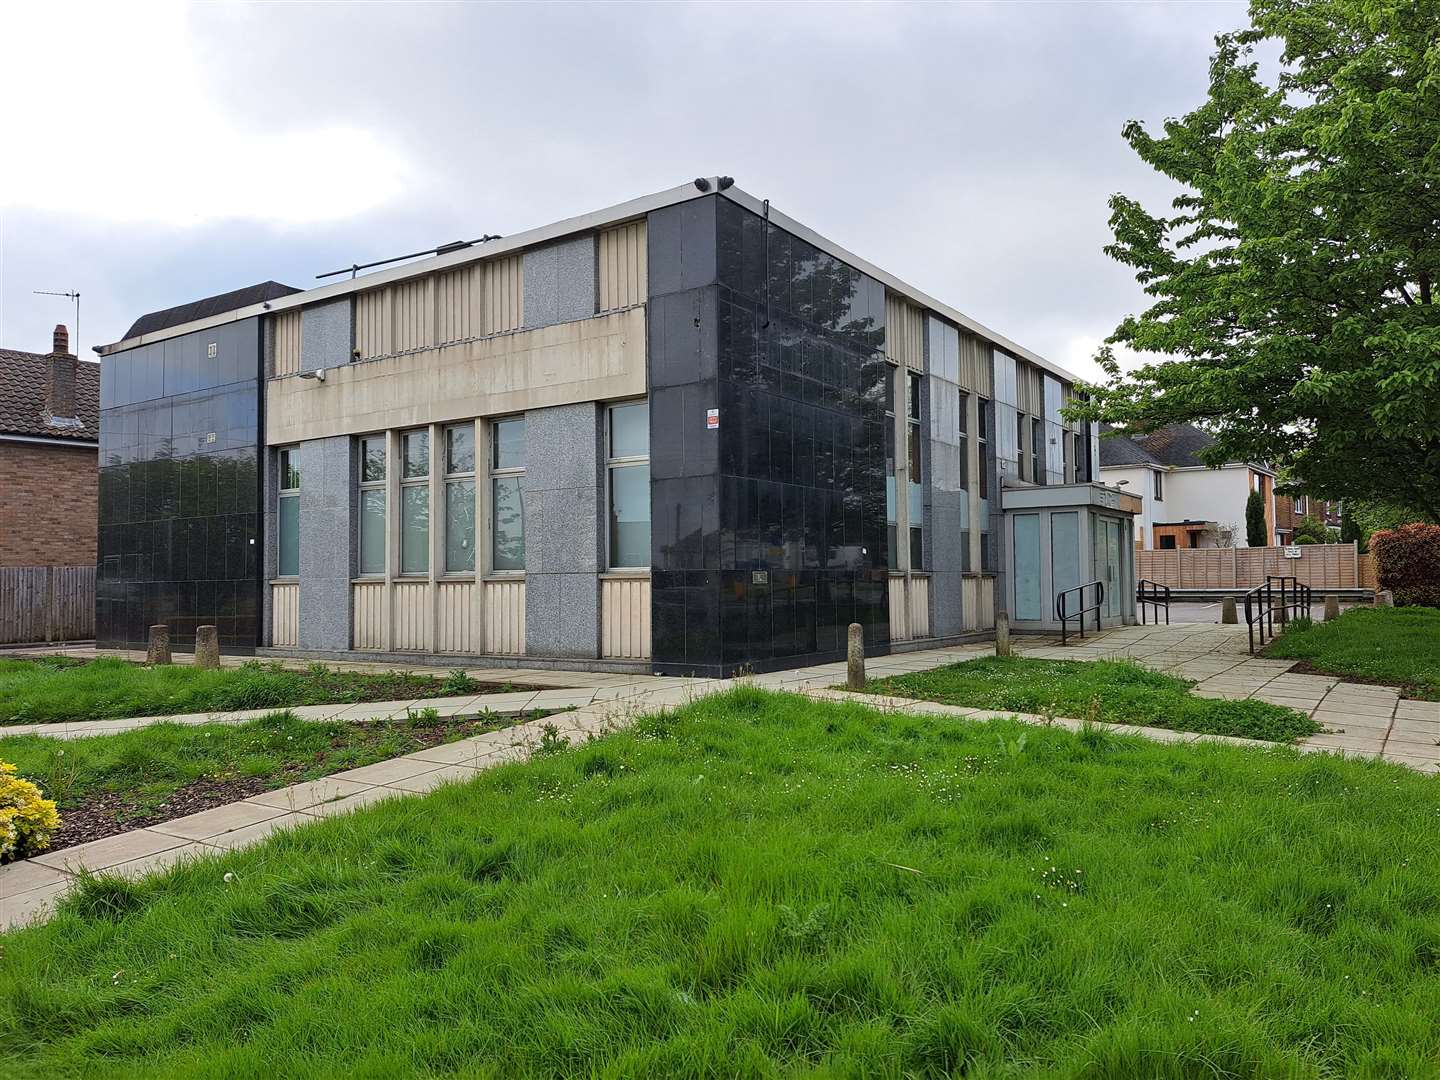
(288, 561)
(963, 436)
(1037, 447)
(628, 466)
(982, 439)
(507, 495)
(1159, 485)
(915, 491)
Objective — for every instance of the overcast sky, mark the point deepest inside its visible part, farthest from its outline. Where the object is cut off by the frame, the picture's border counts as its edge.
(151, 155)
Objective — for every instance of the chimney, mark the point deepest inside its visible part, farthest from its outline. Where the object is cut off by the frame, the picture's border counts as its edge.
(60, 377)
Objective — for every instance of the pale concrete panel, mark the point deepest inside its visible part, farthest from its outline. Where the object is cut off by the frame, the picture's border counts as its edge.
(601, 358)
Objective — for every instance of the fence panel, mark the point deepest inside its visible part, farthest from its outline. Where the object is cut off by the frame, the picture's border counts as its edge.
(46, 603)
(1321, 566)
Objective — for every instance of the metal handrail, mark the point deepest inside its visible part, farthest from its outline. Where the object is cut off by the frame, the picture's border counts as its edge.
(1065, 616)
(1280, 595)
(1154, 594)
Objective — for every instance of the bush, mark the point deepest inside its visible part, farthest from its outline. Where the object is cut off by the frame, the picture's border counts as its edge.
(26, 820)
(1304, 540)
(1407, 562)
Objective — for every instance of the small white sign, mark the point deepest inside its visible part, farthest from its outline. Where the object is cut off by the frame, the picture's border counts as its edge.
(712, 419)
(212, 349)
(1292, 551)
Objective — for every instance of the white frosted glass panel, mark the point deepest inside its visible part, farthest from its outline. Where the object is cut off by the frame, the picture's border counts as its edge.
(1027, 566)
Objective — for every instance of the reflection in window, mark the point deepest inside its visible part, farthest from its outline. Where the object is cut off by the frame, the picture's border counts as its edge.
(372, 504)
(892, 546)
(915, 493)
(628, 464)
(415, 502)
(460, 499)
(507, 496)
(288, 563)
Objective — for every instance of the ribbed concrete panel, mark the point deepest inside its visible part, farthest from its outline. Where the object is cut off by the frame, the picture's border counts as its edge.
(904, 332)
(372, 324)
(625, 618)
(505, 617)
(285, 606)
(621, 266)
(286, 328)
(370, 614)
(414, 314)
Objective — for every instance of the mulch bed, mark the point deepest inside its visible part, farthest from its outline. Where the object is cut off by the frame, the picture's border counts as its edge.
(106, 813)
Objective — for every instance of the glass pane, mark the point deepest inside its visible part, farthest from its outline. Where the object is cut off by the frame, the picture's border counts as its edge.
(1027, 567)
(915, 397)
(415, 454)
(914, 454)
(630, 516)
(964, 412)
(289, 565)
(290, 470)
(917, 550)
(892, 554)
(372, 532)
(414, 529)
(372, 458)
(890, 510)
(460, 448)
(460, 526)
(630, 431)
(982, 419)
(508, 508)
(510, 443)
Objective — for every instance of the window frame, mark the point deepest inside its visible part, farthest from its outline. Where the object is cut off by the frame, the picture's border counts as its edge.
(283, 492)
(493, 473)
(963, 437)
(1037, 451)
(982, 444)
(1157, 485)
(406, 485)
(449, 478)
(363, 486)
(914, 466)
(613, 464)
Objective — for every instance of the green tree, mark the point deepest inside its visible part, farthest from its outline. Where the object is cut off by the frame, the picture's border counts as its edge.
(1311, 530)
(1350, 530)
(1257, 533)
(1295, 280)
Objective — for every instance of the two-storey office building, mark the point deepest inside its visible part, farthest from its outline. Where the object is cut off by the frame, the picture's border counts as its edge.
(685, 433)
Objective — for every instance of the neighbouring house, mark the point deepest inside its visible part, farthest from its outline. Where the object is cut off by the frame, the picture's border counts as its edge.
(1185, 503)
(49, 437)
(1291, 510)
(683, 434)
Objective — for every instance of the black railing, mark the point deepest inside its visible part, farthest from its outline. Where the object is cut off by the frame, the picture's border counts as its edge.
(1154, 594)
(1064, 615)
(1286, 597)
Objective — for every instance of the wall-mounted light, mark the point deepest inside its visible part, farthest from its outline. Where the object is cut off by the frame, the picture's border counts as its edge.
(318, 374)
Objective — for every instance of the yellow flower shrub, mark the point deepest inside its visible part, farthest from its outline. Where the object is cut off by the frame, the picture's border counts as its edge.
(26, 820)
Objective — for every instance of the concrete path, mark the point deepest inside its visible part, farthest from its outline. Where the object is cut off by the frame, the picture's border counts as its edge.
(1362, 721)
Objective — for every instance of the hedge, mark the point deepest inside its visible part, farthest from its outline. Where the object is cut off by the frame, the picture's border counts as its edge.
(1407, 562)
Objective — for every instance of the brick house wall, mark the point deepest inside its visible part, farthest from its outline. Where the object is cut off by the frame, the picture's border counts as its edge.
(48, 504)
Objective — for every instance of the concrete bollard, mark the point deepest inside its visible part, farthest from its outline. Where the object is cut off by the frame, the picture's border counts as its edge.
(1227, 610)
(207, 647)
(1384, 598)
(159, 650)
(1332, 607)
(855, 658)
(1002, 633)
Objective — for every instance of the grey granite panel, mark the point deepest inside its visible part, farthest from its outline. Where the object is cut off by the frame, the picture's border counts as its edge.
(559, 282)
(327, 335)
(326, 542)
(564, 515)
(946, 617)
(562, 615)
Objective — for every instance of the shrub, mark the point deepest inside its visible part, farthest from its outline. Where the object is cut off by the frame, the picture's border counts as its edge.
(1311, 530)
(1407, 562)
(1257, 532)
(1302, 539)
(26, 819)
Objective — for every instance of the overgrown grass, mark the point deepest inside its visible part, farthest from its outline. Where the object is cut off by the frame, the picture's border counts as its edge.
(46, 691)
(1113, 691)
(1398, 646)
(765, 885)
(148, 765)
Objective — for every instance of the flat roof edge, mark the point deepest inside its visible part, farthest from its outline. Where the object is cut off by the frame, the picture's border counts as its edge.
(583, 223)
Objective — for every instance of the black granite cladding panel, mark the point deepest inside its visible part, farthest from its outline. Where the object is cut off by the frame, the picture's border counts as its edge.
(769, 530)
(179, 518)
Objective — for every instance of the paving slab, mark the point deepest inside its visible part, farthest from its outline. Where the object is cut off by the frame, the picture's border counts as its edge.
(299, 796)
(335, 807)
(220, 819)
(253, 834)
(27, 874)
(31, 906)
(111, 850)
(429, 781)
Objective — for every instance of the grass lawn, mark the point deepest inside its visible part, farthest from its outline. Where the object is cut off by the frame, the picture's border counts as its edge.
(1111, 691)
(111, 783)
(762, 885)
(60, 689)
(1395, 646)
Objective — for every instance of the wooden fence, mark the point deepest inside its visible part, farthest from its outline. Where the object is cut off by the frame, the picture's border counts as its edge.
(1321, 566)
(46, 603)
